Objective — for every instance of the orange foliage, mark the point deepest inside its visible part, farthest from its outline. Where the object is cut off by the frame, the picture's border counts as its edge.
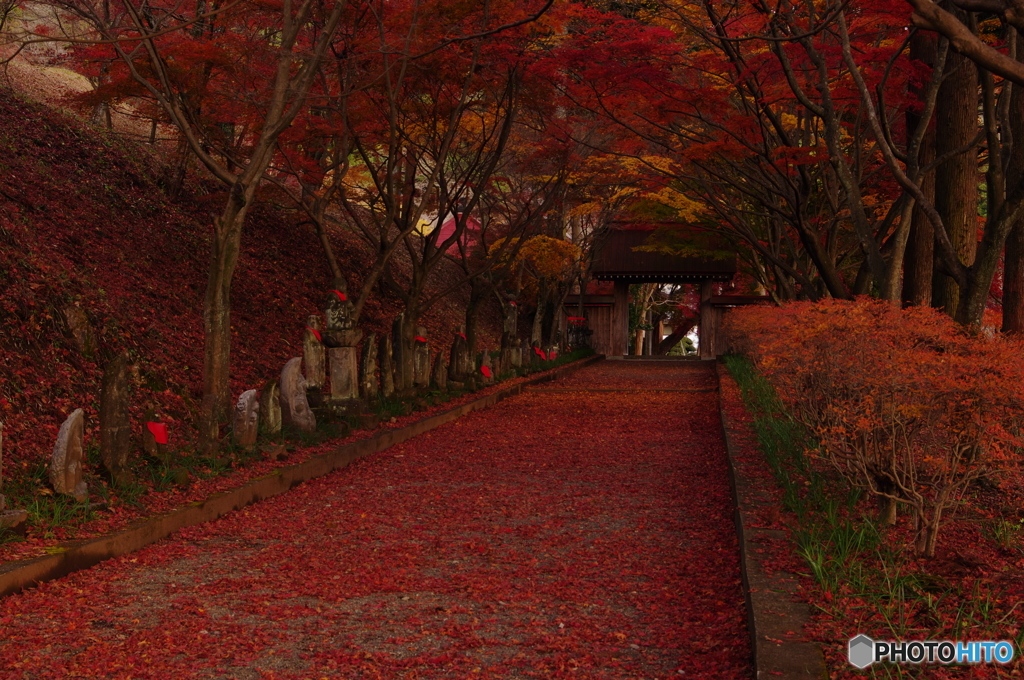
(903, 402)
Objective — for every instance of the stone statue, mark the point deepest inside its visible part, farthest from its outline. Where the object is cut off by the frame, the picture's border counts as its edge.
(339, 309)
(66, 463)
(245, 425)
(313, 357)
(340, 312)
(295, 411)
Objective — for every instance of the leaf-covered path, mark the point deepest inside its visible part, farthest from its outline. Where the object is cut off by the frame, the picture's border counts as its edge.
(583, 529)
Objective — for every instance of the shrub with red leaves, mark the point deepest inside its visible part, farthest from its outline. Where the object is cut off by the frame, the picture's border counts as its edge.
(903, 402)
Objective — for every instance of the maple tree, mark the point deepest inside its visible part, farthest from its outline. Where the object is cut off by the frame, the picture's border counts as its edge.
(813, 159)
(750, 165)
(543, 269)
(233, 79)
(447, 155)
(515, 205)
(953, 214)
(182, 57)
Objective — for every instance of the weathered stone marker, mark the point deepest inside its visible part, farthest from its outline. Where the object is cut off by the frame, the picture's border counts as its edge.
(245, 425)
(295, 411)
(270, 407)
(440, 372)
(313, 358)
(66, 462)
(344, 373)
(115, 422)
(421, 360)
(458, 361)
(368, 375)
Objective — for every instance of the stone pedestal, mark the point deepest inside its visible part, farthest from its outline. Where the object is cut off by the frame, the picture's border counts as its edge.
(12, 520)
(344, 373)
(486, 369)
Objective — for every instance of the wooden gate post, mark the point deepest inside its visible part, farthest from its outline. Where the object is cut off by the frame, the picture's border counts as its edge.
(620, 319)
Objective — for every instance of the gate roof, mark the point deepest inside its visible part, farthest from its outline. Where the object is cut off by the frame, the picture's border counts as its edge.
(617, 260)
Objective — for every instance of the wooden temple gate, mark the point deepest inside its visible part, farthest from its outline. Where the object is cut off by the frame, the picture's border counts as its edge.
(617, 261)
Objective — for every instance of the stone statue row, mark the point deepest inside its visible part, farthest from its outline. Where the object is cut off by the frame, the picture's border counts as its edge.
(385, 368)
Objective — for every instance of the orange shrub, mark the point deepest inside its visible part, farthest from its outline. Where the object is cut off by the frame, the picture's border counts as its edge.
(903, 402)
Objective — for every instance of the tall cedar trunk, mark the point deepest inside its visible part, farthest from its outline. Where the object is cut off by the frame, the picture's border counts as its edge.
(217, 319)
(956, 180)
(919, 259)
(1013, 263)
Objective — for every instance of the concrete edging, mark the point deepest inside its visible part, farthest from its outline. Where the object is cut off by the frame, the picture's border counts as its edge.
(773, 613)
(73, 556)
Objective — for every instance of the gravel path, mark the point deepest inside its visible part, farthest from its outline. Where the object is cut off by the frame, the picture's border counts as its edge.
(581, 530)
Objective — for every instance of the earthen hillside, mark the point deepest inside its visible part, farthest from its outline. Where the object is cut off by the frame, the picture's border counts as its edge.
(94, 260)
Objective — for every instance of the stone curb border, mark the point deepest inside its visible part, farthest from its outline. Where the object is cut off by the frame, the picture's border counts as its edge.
(772, 611)
(73, 556)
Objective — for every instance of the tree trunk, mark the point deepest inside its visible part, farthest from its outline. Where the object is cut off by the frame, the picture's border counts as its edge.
(892, 287)
(176, 180)
(679, 331)
(1013, 281)
(477, 295)
(920, 257)
(956, 180)
(320, 221)
(217, 319)
(1013, 260)
(536, 331)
